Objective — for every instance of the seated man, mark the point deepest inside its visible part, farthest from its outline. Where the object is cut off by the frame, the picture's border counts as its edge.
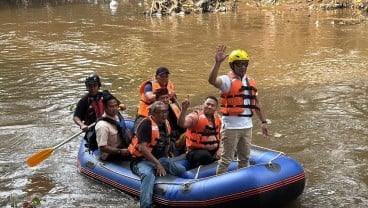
(90, 106)
(203, 132)
(112, 136)
(150, 148)
(162, 94)
(147, 91)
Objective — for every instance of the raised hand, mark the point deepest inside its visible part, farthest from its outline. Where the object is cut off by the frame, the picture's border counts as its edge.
(185, 104)
(220, 55)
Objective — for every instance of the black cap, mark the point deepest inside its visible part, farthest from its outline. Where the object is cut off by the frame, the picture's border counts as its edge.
(162, 70)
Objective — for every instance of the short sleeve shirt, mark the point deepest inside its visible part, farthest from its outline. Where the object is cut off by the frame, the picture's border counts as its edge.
(107, 134)
(148, 87)
(235, 122)
(81, 109)
(144, 133)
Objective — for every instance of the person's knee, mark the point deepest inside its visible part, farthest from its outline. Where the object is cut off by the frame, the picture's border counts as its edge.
(206, 159)
(146, 174)
(175, 168)
(165, 161)
(148, 181)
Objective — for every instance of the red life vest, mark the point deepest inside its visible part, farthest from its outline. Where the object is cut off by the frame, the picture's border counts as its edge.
(232, 102)
(144, 103)
(95, 108)
(155, 136)
(201, 136)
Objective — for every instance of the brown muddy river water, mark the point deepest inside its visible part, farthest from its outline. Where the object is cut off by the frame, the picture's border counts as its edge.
(311, 69)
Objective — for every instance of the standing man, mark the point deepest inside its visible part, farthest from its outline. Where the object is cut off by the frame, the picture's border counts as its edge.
(203, 132)
(112, 135)
(238, 103)
(150, 151)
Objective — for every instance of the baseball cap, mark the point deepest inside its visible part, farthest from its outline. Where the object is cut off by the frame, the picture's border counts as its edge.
(162, 70)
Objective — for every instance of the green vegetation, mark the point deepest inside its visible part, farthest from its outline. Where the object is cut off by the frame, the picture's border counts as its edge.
(36, 201)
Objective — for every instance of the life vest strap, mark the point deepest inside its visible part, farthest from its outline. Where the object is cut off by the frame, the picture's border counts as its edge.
(204, 133)
(147, 103)
(240, 115)
(122, 130)
(240, 106)
(241, 96)
(242, 88)
(205, 143)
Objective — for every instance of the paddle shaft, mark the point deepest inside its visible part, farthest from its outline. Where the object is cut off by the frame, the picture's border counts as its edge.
(72, 137)
(175, 107)
(46, 153)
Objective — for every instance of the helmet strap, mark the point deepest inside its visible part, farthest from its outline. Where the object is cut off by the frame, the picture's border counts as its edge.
(231, 66)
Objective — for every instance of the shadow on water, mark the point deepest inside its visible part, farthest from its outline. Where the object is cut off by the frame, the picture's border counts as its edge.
(38, 185)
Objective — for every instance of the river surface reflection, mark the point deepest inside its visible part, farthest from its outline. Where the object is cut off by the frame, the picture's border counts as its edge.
(311, 69)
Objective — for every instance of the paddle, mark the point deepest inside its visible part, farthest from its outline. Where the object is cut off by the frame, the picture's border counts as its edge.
(45, 153)
(175, 108)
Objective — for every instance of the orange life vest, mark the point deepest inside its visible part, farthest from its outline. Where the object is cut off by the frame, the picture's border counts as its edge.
(232, 102)
(197, 136)
(155, 138)
(144, 103)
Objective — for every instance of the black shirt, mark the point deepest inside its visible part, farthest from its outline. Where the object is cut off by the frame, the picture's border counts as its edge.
(144, 133)
(84, 111)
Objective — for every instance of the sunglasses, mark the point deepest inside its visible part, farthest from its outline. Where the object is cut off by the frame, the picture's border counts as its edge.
(161, 112)
(241, 63)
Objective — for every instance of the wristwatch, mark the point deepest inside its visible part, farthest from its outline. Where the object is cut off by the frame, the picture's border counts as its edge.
(119, 152)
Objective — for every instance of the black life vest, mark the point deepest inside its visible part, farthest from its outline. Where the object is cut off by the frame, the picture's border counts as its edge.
(123, 132)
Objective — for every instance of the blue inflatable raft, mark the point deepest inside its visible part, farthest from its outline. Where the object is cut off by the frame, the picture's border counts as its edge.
(273, 179)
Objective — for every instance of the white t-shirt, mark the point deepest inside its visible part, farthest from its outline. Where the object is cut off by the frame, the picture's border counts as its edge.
(235, 122)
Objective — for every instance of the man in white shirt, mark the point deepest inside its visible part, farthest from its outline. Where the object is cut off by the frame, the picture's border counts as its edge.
(238, 103)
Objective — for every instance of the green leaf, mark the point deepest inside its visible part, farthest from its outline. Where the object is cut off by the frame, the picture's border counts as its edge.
(36, 201)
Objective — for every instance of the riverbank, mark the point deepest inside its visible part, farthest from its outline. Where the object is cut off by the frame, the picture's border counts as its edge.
(316, 5)
(358, 17)
(172, 7)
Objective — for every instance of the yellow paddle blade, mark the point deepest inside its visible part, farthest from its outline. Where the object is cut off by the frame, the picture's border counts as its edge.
(39, 156)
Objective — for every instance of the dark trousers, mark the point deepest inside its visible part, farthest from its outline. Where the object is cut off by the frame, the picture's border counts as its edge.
(199, 157)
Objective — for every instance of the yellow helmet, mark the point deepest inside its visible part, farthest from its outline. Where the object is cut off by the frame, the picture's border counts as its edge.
(238, 55)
